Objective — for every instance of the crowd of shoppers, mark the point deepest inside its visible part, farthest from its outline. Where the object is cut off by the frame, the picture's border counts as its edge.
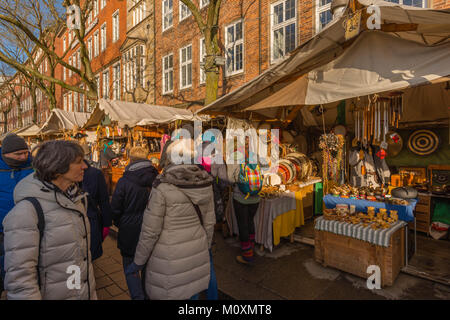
(56, 211)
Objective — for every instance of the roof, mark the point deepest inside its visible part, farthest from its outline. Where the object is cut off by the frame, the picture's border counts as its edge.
(133, 114)
(61, 120)
(355, 67)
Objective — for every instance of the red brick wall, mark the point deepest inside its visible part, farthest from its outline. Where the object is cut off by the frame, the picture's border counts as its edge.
(256, 44)
(105, 59)
(440, 4)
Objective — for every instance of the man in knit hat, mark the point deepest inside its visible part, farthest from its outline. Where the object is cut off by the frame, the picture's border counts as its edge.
(15, 164)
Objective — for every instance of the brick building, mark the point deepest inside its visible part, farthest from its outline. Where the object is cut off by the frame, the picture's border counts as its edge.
(105, 33)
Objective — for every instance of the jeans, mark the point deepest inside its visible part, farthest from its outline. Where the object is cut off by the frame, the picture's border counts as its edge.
(2, 263)
(134, 281)
(211, 292)
(244, 216)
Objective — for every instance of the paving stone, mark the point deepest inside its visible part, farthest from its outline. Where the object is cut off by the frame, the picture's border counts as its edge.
(114, 290)
(103, 282)
(112, 268)
(102, 294)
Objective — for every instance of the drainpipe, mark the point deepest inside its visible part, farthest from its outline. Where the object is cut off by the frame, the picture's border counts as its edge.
(259, 36)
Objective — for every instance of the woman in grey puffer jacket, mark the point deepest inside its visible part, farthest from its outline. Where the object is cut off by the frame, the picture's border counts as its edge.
(173, 242)
(47, 268)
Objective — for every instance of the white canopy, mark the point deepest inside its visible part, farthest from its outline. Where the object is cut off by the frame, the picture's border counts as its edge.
(138, 114)
(328, 68)
(61, 120)
(29, 131)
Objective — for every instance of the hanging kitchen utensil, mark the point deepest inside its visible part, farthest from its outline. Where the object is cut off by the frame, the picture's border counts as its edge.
(423, 142)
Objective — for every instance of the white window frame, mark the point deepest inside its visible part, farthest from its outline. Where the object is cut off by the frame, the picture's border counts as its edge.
(320, 9)
(187, 64)
(69, 104)
(64, 44)
(97, 80)
(82, 100)
(203, 3)
(103, 37)
(64, 73)
(95, 8)
(184, 8)
(102, 4)
(202, 58)
(75, 102)
(90, 48)
(142, 64)
(234, 46)
(115, 26)
(283, 25)
(169, 13)
(105, 84)
(116, 81)
(424, 3)
(78, 59)
(169, 71)
(96, 43)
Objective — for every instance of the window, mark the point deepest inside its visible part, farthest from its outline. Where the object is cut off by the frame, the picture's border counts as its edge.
(186, 67)
(184, 11)
(167, 14)
(97, 82)
(90, 48)
(64, 44)
(78, 59)
(414, 3)
(95, 8)
(82, 102)
(168, 74)
(69, 105)
(70, 39)
(64, 73)
(96, 44)
(116, 82)
(202, 59)
(323, 14)
(102, 4)
(284, 28)
(75, 102)
(106, 84)
(115, 26)
(234, 47)
(141, 65)
(103, 35)
(70, 71)
(203, 3)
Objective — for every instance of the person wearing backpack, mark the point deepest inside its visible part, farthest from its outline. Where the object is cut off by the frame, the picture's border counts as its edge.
(15, 164)
(248, 181)
(47, 233)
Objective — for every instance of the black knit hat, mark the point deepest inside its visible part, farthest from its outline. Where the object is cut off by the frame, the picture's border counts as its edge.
(12, 143)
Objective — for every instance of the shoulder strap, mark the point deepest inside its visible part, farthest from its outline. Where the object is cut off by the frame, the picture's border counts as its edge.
(41, 227)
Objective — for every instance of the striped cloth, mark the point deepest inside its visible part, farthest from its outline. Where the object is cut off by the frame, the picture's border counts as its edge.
(379, 237)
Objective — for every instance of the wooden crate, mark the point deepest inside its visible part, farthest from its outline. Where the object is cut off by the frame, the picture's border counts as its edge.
(354, 256)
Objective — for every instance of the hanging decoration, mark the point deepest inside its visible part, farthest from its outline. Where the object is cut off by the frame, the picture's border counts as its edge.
(332, 147)
(423, 142)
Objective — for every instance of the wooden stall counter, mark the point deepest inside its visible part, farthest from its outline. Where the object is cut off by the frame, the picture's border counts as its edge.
(354, 256)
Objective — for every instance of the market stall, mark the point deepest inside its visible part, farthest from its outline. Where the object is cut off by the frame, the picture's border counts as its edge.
(63, 124)
(363, 100)
(120, 125)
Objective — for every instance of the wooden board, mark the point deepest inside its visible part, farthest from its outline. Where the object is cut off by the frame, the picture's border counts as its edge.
(354, 256)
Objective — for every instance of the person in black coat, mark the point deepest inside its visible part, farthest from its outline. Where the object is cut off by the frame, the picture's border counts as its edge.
(99, 210)
(128, 203)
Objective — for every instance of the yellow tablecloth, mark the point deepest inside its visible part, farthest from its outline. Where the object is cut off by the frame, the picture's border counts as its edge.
(286, 222)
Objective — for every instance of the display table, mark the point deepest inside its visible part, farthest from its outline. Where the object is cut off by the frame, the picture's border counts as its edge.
(405, 213)
(353, 248)
(277, 217)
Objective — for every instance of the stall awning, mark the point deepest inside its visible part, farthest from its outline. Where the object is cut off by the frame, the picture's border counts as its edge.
(61, 120)
(138, 114)
(29, 131)
(329, 68)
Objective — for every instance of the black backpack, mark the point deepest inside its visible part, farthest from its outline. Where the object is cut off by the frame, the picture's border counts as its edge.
(41, 227)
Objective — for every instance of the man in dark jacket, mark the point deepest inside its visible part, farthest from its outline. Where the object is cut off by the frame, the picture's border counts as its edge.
(128, 203)
(99, 210)
(15, 164)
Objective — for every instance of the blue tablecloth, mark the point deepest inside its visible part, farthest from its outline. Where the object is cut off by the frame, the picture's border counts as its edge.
(405, 213)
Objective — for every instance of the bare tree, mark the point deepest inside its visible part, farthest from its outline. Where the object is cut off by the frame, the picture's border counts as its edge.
(209, 28)
(40, 22)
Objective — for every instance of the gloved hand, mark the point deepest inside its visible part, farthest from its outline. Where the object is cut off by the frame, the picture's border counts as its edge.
(105, 232)
(133, 268)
